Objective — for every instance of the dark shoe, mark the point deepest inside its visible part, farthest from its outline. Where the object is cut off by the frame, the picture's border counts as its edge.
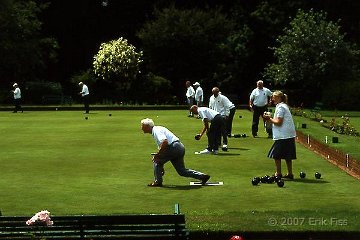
(289, 176)
(205, 179)
(278, 175)
(155, 184)
(254, 135)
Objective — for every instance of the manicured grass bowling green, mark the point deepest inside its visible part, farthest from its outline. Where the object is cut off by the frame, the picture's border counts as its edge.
(57, 160)
(347, 144)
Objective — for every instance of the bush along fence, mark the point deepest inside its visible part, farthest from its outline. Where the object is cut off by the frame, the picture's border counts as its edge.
(343, 160)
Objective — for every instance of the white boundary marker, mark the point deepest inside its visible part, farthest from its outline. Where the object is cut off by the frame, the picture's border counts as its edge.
(207, 184)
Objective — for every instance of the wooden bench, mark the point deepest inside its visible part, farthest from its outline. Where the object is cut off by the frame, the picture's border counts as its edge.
(146, 226)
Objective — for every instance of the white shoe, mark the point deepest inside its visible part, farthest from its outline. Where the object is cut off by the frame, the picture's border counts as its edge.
(216, 152)
(205, 151)
(224, 147)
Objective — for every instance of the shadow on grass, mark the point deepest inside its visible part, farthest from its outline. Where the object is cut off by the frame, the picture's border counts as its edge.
(227, 154)
(181, 187)
(305, 180)
(242, 149)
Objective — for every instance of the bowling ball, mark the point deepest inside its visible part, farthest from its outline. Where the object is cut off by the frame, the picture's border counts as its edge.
(255, 181)
(263, 179)
(317, 175)
(280, 183)
(270, 179)
(197, 137)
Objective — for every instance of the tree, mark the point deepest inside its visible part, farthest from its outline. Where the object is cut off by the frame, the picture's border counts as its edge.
(24, 52)
(186, 44)
(117, 63)
(313, 54)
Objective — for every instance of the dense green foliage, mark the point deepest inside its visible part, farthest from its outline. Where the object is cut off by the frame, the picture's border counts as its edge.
(312, 54)
(223, 43)
(25, 52)
(187, 44)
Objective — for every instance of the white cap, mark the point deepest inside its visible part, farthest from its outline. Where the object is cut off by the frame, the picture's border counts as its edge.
(80, 83)
(15, 84)
(196, 84)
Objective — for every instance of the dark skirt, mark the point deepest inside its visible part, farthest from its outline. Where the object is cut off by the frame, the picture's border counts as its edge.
(283, 149)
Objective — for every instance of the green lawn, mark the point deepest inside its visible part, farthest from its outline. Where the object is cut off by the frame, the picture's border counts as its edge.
(346, 144)
(68, 165)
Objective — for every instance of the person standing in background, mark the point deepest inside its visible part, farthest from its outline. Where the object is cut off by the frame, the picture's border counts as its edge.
(199, 94)
(190, 93)
(85, 95)
(258, 103)
(17, 98)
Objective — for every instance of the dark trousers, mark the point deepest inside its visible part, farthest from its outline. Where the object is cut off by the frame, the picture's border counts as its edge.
(214, 133)
(229, 121)
(86, 103)
(257, 113)
(190, 102)
(175, 153)
(226, 130)
(17, 103)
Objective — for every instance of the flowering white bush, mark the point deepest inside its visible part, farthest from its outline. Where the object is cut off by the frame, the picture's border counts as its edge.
(117, 58)
(40, 217)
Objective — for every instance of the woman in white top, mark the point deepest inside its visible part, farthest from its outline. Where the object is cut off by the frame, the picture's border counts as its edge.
(284, 134)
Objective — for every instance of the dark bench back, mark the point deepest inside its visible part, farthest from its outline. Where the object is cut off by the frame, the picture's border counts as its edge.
(152, 226)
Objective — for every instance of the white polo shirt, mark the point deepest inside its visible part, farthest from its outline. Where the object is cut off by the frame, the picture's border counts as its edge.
(199, 94)
(260, 96)
(287, 128)
(190, 92)
(17, 93)
(207, 113)
(161, 133)
(221, 104)
(85, 90)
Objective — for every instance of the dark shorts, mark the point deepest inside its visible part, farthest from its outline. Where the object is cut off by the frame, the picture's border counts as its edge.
(283, 149)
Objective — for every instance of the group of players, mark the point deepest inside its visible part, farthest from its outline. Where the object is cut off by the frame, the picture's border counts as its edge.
(219, 115)
(217, 124)
(217, 120)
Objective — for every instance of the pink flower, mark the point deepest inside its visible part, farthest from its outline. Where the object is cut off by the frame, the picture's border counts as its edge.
(42, 216)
